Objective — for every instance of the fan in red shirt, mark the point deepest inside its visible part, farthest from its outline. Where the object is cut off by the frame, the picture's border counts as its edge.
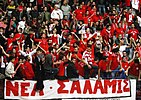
(138, 48)
(19, 36)
(103, 68)
(55, 37)
(78, 56)
(119, 30)
(126, 66)
(97, 17)
(129, 17)
(60, 64)
(26, 69)
(106, 34)
(10, 41)
(133, 32)
(115, 62)
(135, 69)
(79, 13)
(43, 42)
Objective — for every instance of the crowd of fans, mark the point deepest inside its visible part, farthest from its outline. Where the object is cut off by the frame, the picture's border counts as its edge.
(65, 39)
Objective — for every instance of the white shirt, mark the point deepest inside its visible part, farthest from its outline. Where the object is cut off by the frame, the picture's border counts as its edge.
(121, 49)
(21, 25)
(9, 70)
(56, 13)
(28, 54)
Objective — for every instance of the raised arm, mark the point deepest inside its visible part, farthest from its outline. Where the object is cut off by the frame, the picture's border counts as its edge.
(4, 51)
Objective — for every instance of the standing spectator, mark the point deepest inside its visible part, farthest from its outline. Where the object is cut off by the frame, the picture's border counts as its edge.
(135, 69)
(115, 62)
(28, 52)
(34, 13)
(39, 70)
(57, 13)
(9, 71)
(26, 69)
(66, 9)
(101, 6)
(103, 68)
(45, 15)
(133, 32)
(50, 71)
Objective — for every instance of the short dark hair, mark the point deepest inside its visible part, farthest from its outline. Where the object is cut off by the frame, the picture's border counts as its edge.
(11, 57)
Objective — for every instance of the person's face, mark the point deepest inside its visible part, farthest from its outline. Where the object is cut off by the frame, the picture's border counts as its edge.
(74, 61)
(89, 49)
(54, 31)
(45, 9)
(39, 52)
(133, 26)
(20, 60)
(27, 49)
(75, 50)
(43, 35)
(138, 44)
(13, 60)
(12, 35)
(124, 54)
(106, 48)
(124, 59)
(14, 51)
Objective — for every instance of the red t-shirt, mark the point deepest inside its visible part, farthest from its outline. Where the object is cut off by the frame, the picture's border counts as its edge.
(138, 48)
(61, 68)
(134, 69)
(9, 43)
(115, 60)
(27, 70)
(127, 3)
(125, 65)
(134, 33)
(119, 31)
(54, 39)
(43, 44)
(79, 14)
(103, 65)
(19, 35)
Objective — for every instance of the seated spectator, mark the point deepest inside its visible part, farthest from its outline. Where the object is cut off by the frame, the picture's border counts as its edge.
(89, 62)
(103, 68)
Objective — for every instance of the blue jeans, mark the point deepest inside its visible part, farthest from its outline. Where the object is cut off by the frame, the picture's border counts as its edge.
(121, 74)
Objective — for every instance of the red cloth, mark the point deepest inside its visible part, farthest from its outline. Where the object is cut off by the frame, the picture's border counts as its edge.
(129, 18)
(19, 35)
(61, 68)
(119, 31)
(133, 33)
(9, 43)
(20, 8)
(54, 39)
(134, 69)
(79, 14)
(43, 44)
(115, 60)
(138, 49)
(39, 2)
(103, 65)
(125, 65)
(27, 70)
(127, 3)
